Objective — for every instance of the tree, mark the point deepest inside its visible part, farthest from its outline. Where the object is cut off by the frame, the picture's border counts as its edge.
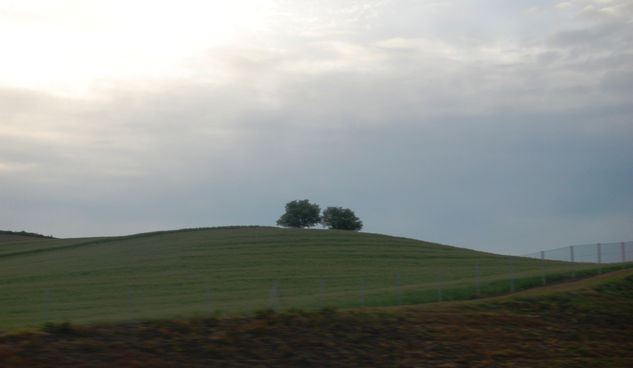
(341, 218)
(300, 214)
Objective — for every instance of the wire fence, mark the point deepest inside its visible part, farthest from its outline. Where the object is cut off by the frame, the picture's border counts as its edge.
(600, 253)
(87, 299)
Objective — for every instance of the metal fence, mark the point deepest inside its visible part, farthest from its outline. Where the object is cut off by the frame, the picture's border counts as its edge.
(87, 298)
(601, 253)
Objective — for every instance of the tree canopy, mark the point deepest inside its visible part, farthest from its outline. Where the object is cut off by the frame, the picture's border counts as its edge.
(341, 218)
(300, 213)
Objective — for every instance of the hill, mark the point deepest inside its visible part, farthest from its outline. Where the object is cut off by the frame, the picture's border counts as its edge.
(228, 271)
(578, 324)
(12, 236)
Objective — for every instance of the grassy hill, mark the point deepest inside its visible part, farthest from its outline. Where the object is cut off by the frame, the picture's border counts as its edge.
(232, 270)
(13, 236)
(585, 323)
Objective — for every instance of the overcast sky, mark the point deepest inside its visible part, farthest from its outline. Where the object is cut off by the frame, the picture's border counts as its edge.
(502, 126)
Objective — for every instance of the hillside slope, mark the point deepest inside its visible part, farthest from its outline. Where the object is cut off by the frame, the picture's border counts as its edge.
(242, 269)
(14, 236)
(587, 324)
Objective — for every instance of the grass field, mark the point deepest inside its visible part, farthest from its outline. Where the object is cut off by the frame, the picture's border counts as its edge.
(583, 323)
(227, 271)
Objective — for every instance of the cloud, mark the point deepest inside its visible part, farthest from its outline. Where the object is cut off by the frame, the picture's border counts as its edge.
(458, 135)
(607, 11)
(421, 44)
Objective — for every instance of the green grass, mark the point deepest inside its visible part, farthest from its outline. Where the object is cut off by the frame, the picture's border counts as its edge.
(581, 323)
(197, 272)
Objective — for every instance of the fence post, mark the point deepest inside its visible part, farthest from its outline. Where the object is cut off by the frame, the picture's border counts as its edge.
(512, 276)
(398, 288)
(322, 291)
(439, 284)
(571, 256)
(47, 305)
(208, 298)
(543, 267)
(599, 249)
(478, 278)
(130, 302)
(274, 297)
(362, 292)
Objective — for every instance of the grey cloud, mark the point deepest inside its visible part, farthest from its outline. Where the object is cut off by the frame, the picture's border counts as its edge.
(404, 173)
(473, 152)
(607, 12)
(619, 81)
(604, 37)
(599, 38)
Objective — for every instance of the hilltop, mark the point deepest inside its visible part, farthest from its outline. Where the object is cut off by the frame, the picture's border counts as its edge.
(11, 236)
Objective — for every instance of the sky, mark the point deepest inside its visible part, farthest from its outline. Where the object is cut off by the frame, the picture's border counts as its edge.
(501, 126)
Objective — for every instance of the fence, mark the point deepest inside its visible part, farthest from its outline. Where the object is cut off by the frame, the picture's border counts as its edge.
(601, 253)
(187, 292)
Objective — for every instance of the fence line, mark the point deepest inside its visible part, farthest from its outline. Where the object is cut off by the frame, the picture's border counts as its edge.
(600, 253)
(442, 282)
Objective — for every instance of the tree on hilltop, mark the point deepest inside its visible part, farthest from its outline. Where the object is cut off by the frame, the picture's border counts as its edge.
(341, 219)
(300, 214)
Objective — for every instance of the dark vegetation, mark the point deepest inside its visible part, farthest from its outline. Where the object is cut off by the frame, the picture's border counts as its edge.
(587, 323)
(6, 235)
(302, 213)
(341, 219)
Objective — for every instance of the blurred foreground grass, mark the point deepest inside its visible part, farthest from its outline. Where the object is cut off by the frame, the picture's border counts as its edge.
(585, 323)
